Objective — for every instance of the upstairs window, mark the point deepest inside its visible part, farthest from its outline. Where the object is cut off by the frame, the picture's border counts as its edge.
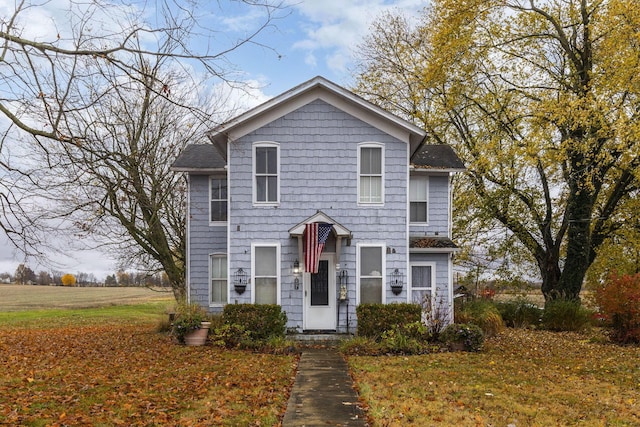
(218, 191)
(418, 197)
(266, 168)
(370, 173)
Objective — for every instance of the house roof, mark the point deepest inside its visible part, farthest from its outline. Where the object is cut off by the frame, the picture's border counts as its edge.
(437, 156)
(311, 90)
(338, 229)
(432, 244)
(203, 158)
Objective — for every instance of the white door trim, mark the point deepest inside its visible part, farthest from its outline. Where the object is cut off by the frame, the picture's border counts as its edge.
(320, 318)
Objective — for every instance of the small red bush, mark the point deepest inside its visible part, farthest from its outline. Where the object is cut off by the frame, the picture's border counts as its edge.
(618, 300)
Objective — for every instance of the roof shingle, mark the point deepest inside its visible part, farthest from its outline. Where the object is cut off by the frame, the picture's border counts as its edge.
(432, 242)
(199, 156)
(437, 156)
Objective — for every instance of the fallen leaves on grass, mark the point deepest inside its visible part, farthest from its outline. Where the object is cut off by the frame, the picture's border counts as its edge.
(128, 375)
(522, 378)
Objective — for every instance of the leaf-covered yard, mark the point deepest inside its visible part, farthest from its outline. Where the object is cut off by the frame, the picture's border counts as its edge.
(125, 373)
(522, 378)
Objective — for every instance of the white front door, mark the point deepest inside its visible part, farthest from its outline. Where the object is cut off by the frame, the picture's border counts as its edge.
(320, 296)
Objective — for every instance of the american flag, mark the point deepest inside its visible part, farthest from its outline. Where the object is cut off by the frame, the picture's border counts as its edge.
(316, 235)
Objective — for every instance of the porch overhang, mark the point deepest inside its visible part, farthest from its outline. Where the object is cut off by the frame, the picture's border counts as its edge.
(436, 244)
(339, 231)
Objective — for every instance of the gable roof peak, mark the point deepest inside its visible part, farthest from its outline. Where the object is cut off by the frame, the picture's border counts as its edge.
(316, 88)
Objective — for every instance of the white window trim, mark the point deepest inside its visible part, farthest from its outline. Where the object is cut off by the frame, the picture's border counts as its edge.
(433, 287)
(211, 303)
(254, 185)
(382, 170)
(383, 253)
(426, 177)
(218, 223)
(253, 269)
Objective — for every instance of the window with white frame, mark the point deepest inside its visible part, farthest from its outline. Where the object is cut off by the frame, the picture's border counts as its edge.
(371, 274)
(370, 173)
(218, 273)
(265, 274)
(418, 199)
(218, 192)
(266, 169)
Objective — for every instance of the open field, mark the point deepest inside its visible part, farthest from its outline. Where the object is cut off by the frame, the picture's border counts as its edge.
(521, 378)
(108, 366)
(28, 297)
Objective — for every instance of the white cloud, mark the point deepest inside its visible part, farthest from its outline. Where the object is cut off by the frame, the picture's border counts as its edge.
(61, 21)
(8, 257)
(311, 60)
(242, 22)
(338, 26)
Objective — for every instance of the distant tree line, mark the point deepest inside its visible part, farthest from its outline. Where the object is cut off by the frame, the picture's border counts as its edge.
(24, 275)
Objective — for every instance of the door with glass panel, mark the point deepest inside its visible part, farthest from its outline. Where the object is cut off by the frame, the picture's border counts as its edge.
(421, 291)
(320, 296)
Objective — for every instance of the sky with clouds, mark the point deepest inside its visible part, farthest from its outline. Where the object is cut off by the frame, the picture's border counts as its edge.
(308, 38)
(317, 37)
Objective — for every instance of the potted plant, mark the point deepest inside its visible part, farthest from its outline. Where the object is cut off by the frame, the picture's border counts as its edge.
(190, 325)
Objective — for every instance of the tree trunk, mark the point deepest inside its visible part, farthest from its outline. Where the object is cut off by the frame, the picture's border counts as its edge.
(551, 273)
(569, 284)
(176, 277)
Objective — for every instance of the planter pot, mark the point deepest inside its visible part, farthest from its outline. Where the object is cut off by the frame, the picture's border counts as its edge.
(198, 336)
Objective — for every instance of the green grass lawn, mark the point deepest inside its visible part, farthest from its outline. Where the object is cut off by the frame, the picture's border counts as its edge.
(108, 366)
(29, 297)
(521, 378)
(145, 314)
(52, 306)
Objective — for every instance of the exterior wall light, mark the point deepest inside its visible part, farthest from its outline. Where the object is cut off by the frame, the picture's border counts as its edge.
(296, 273)
(240, 281)
(396, 281)
(343, 279)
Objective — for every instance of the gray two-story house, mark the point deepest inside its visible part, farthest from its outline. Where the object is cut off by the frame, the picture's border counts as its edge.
(319, 201)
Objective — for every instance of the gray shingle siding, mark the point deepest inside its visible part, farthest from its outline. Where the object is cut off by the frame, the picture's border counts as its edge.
(203, 239)
(441, 260)
(317, 172)
(438, 206)
(318, 156)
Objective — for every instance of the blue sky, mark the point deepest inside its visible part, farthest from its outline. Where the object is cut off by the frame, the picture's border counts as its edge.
(316, 37)
(308, 38)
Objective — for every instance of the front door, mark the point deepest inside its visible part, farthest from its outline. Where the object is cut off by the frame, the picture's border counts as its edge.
(320, 296)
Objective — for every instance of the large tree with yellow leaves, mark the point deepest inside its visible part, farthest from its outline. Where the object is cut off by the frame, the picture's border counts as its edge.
(541, 100)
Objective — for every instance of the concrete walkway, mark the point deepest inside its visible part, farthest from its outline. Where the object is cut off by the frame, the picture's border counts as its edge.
(323, 393)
